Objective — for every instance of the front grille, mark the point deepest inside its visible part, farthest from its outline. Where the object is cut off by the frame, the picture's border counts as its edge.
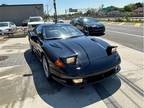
(96, 28)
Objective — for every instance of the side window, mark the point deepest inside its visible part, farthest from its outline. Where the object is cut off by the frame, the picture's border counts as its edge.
(80, 21)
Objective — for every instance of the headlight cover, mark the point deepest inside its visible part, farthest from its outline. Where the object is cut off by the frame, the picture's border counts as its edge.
(111, 49)
(71, 60)
(114, 49)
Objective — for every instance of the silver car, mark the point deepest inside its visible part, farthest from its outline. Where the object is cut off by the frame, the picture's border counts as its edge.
(7, 28)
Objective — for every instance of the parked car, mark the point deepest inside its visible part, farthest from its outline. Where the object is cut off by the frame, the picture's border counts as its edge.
(60, 21)
(7, 28)
(34, 21)
(89, 26)
(70, 57)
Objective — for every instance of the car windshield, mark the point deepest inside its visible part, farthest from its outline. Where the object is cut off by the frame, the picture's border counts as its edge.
(61, 32)
(90, 20)
(35, 19)
(3, 24)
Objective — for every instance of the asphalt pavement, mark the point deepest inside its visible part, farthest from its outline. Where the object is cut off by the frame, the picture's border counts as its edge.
(126, 34)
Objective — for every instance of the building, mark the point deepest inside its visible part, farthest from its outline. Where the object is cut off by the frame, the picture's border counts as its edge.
(139, 11)
(19, 13)
(114, 13)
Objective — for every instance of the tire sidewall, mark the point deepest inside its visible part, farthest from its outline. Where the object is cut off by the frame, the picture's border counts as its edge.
(49, 75)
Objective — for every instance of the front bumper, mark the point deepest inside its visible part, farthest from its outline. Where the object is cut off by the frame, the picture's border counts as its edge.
(96, 31)
(6, 32)
(87, 79)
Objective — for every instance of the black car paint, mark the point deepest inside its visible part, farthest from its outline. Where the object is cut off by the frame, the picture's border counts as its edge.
(92, 56)
(93, 29)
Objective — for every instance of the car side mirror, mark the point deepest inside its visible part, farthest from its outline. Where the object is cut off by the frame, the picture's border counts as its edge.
(34, 38)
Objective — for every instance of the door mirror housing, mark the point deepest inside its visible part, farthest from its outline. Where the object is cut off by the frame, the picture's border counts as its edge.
(34, 38)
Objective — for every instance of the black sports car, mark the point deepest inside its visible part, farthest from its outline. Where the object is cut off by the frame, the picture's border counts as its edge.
(89, 26)
(70, 57)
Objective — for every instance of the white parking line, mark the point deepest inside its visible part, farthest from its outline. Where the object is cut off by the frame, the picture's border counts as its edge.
(126, 33)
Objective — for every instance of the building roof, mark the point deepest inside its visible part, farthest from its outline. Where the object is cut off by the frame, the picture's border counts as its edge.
(140, 9)
(5, 5)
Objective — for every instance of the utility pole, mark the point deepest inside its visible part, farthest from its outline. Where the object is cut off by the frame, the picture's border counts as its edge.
(55, 11)
(47, 12)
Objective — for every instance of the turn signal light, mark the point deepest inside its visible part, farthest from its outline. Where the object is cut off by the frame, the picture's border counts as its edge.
(59, 63)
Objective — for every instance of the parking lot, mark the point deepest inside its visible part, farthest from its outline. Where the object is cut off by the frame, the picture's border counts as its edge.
(23, 84)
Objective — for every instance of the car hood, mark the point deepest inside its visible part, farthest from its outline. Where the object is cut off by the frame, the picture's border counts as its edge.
(4, 28)
(91, 54)
(85, 48)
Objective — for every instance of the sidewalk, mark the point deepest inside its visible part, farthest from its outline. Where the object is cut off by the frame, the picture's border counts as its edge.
(132, 65)
(136, 25)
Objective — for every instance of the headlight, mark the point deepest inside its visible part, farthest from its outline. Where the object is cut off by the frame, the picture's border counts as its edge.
(76, 81)
(114, 49)
(71, 60)
(6, 30)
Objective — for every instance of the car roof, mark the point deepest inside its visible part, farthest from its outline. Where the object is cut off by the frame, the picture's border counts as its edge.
(58, 24)
(5, 22)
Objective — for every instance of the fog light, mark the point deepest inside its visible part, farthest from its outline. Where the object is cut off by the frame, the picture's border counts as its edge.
(77, 81)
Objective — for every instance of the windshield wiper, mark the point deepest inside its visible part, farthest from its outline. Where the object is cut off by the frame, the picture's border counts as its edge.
(75, 36)
(54, 38)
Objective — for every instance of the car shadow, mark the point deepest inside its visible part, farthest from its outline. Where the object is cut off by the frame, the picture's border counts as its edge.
(58, 96)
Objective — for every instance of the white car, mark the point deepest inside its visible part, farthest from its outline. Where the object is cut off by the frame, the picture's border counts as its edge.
(34, 21)
(7, 28)
(60, 21)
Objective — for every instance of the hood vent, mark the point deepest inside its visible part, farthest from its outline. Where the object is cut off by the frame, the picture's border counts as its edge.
(55, 45)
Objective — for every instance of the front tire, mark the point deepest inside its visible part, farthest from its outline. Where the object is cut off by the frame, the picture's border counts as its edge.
(46, 67)
(32, 49)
